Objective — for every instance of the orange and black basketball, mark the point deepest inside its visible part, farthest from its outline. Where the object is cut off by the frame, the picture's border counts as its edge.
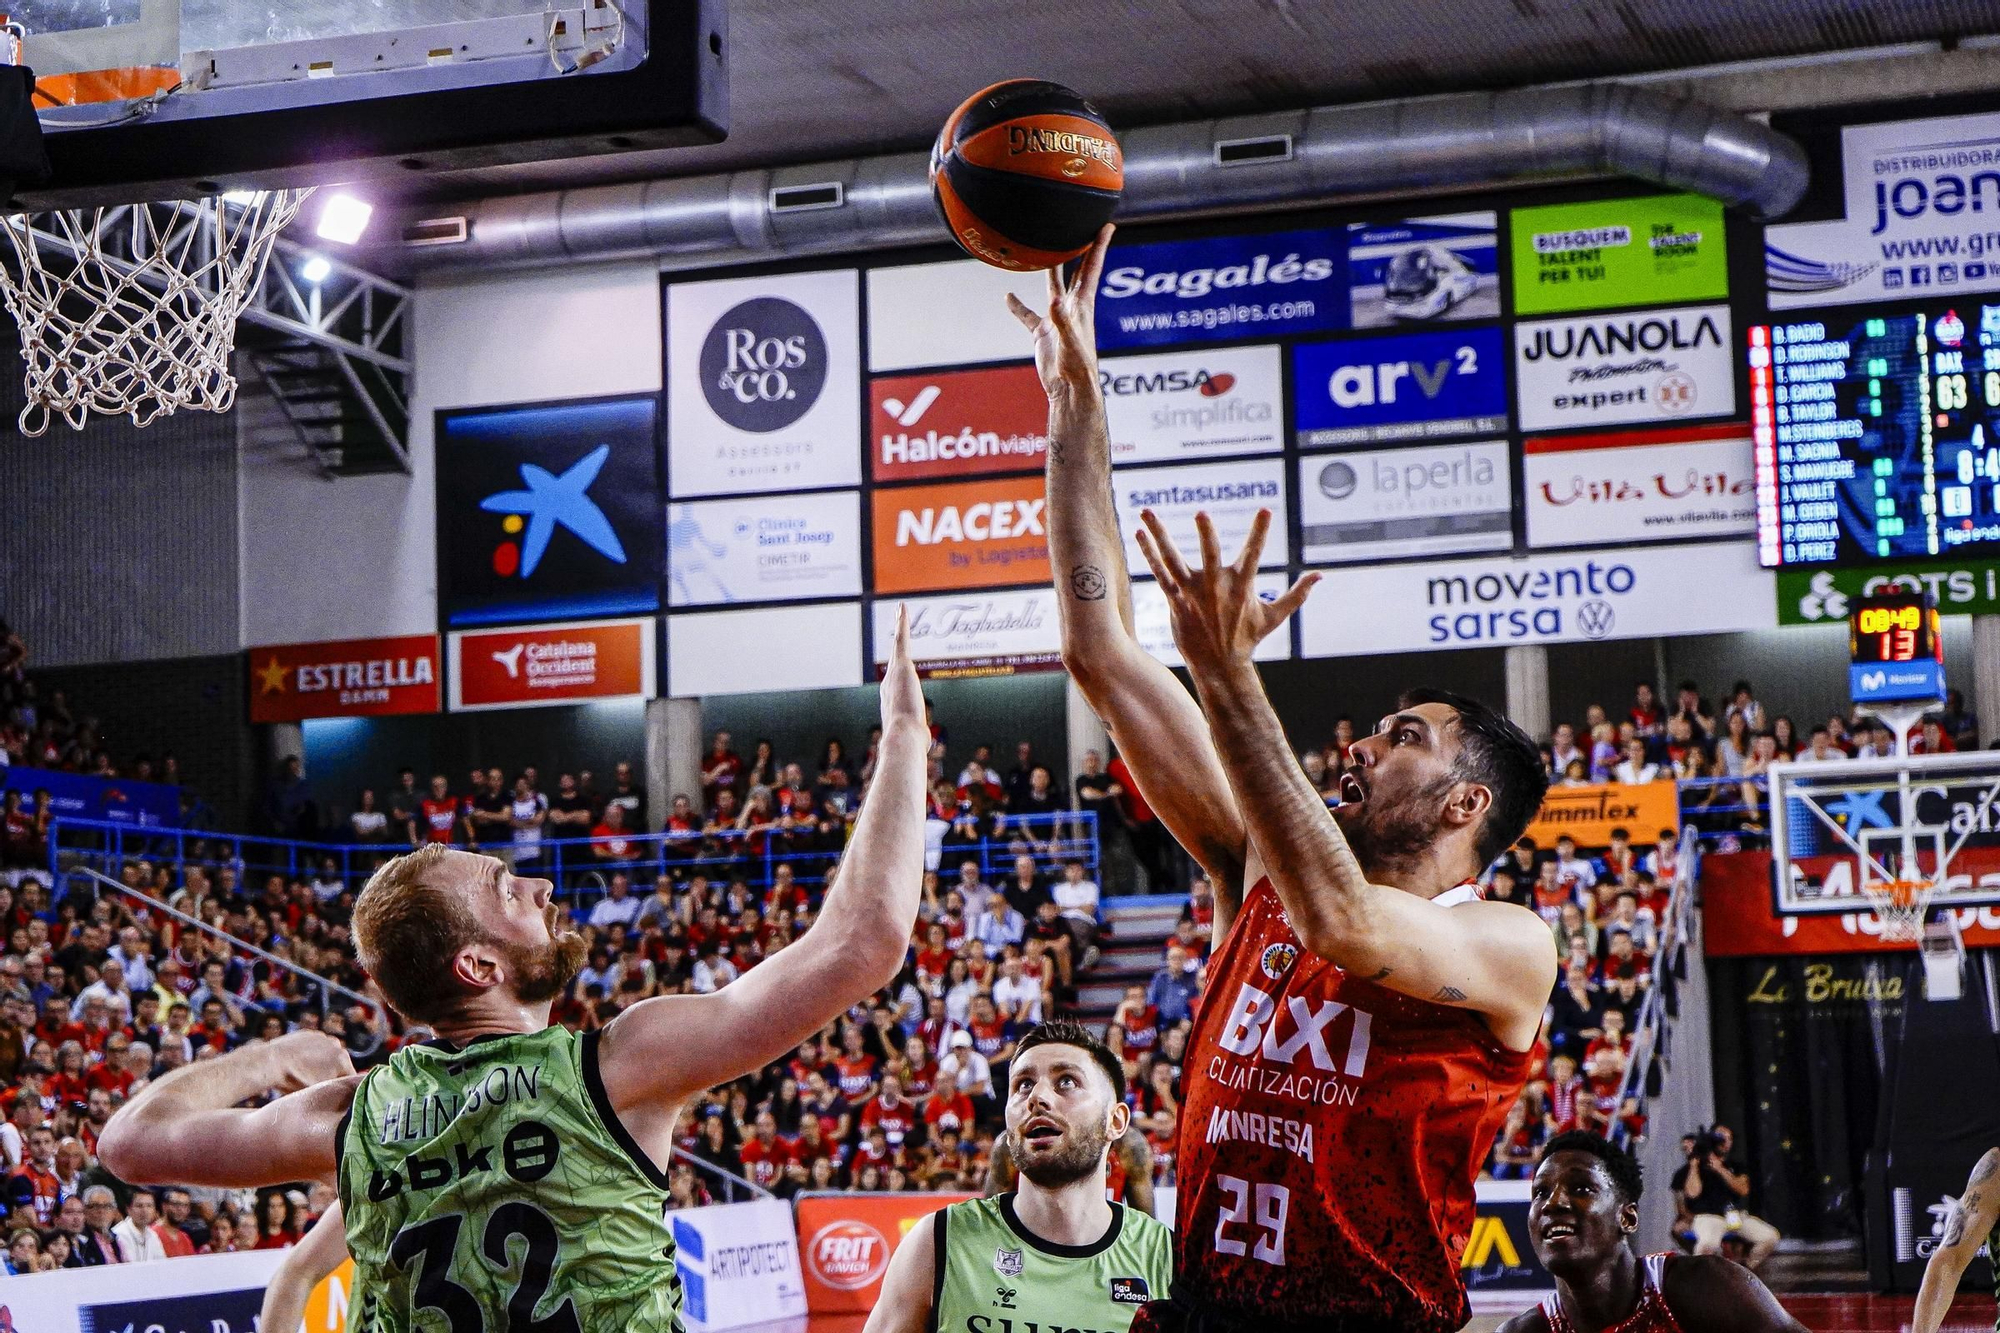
(1025, 172)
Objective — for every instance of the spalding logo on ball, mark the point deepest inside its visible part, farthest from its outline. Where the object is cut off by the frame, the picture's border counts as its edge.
(1025, 173)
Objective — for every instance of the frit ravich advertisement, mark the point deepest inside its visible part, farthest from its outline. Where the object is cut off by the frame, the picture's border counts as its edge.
(1919, 221)
(1645, 365)
(351, 678)
(763, 383)
(845, 1241)
(1639, 486)
(552, 664)
(1653, 250)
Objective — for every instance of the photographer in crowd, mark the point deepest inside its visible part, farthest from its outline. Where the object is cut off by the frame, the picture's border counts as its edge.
(1717, 1191)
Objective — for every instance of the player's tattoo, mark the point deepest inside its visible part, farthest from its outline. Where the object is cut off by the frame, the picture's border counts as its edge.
(1383, 973)
(1988, 1164)
(1449, 994)
(1055, 449)
(1086, 583)
(1954, 1223)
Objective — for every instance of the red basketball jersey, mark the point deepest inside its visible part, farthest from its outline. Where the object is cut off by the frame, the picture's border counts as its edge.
(1330, 1134)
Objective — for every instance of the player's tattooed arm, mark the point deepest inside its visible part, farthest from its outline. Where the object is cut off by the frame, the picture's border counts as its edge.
(1966, 1225)
(1137, 1156)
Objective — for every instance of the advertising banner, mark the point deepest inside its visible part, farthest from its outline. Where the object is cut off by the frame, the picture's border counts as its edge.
(552, 664)
(957, 423)
(1161, 293)
(1175, 405)
(739, 1264)
(1820, 596)
(978, 634)
(1603, 370)
(1155, 628)
(1423, 269)
(1426, 500)
(1641, 592)
(204, 1293)
(765, 548)
(1742, 919)
(112, 800)
(763, 383)
(1918, 218)
(350, 678)
(1639, 486)
(1588, 814)
(845, 1241)
(1416, 386)
(1229, 493)
(728, 652)
(952, 313)
(548, 513)
(1654, 250)
(1498, 1256)
(967, 534)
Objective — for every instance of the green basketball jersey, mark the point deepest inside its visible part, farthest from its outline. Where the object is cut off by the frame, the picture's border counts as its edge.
(995, 1276)
(493, 1188)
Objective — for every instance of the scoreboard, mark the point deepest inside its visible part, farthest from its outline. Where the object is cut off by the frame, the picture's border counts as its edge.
(1895, 649)
(1877, 434)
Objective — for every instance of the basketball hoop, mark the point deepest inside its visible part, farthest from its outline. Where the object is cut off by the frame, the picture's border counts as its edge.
(132, 311)
(1901, 904)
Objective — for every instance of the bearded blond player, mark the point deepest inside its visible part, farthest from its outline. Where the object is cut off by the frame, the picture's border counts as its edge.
(509, 1174)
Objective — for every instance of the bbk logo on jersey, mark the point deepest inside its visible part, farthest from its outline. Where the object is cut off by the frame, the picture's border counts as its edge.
(763, 364)
(1411, 387)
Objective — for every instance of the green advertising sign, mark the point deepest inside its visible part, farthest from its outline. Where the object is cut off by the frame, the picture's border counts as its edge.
(1618, 252)
(1820, 596)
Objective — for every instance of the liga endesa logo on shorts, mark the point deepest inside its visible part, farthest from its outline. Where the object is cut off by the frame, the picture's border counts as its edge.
(847, 1256)
(957, 424)
(763, 364)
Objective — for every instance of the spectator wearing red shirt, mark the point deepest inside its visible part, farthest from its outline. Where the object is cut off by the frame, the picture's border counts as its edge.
(854, 1069)
(919, 1069)
(1150, 843)
(990, 1034)
(953, 1112)
(765, 1155)
(34, 1185)
(1613, 1037)
(611, 841)
(890, 1111)
(440, 811)
(933, 959)
(174, 1208)
(874, 1150)
(785, 892)
(977, 779)
(1621, 959)
(1566, 1094)
(1646, 716)
(720, 769)
(1135, 1026)
(937, 1027)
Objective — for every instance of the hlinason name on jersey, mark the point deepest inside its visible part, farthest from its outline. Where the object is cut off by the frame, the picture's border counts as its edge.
(417, 1118)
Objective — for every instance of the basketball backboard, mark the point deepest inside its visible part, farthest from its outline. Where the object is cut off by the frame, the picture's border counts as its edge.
(153, 99)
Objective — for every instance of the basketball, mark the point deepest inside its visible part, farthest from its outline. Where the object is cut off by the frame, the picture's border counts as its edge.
(1025, 173)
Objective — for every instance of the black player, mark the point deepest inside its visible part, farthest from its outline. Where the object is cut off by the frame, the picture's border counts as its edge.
(1583, 1211)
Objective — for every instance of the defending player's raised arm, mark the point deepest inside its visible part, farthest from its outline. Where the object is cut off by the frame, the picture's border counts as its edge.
(1157, 725)
(305, 1266)
(904, 1305)
(190, 1127)
(1493, 958)
(663, 1050)
(1965, 1230)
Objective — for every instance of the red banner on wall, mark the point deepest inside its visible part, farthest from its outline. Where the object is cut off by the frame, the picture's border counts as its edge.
(957, 423)
(1740, 917)
(845, 1241)
(551, 664)
(349, 678)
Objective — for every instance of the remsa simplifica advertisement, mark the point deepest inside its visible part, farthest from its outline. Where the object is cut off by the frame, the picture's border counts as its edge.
(1639, 486)
(1416, 386)
(1494, 602)
(1229, 493)
(1920, 218)
(1652, 250)
(1423, 269)
(763, 384)
(1605, 370)
(764, 548)
(1176, 405)
(1426, 500)
(1222, 287)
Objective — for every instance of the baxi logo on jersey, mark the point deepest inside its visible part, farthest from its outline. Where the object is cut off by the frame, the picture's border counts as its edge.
(1278, 960)
(1259, 1030)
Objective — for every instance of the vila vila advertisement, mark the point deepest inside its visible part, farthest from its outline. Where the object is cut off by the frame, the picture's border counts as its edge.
(1438, 499)
(1605, 370)
(1653, 250)
(1920, 220)
(1639, 486)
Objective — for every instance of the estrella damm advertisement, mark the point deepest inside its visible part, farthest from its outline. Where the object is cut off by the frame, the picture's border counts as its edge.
(1655, 250)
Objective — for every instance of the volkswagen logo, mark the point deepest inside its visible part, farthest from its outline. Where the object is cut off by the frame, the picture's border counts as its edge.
(1595, 619)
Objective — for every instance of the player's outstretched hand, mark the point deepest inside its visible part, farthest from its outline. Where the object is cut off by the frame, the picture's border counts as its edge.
(1218, 618)
(303, 1059)
(1066, 338)
(902, 696)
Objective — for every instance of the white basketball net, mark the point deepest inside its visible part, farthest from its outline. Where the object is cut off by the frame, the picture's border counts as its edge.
(1902, 905)
(132, 310)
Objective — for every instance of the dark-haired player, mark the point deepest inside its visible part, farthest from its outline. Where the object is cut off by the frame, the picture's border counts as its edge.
(1368, 1018)
(1582, 1212)
(1054, 1252)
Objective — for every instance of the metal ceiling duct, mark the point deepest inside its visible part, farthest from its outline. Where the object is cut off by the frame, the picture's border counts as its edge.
(1467, 141)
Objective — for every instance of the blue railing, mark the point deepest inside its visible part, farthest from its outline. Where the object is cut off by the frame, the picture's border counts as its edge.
(1717, 812)
(578, 866)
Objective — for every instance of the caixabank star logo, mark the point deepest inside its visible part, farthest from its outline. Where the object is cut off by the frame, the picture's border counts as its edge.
(548, 512)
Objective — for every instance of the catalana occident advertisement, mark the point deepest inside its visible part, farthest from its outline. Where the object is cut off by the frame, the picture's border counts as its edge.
(1921, 198)
(1653, 250)
(1645, 365)
(1643, 592)
(1222, 287)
